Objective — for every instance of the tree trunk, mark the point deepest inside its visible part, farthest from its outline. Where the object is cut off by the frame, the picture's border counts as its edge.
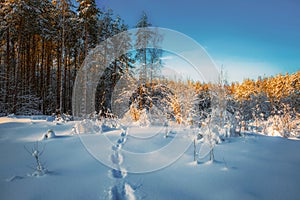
(58, 78)
(8, 68)
(17, 72)
(42, 79)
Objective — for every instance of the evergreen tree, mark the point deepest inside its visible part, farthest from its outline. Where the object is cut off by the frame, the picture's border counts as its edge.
(88, 18)
(121, 62)
(148, 56)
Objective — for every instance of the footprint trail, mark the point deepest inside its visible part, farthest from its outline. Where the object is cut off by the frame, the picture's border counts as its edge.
(121, 190)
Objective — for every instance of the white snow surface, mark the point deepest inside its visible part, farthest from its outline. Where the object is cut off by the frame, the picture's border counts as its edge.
(249, 167)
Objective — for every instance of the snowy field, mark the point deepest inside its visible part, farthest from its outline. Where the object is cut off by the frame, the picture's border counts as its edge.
(249, 167)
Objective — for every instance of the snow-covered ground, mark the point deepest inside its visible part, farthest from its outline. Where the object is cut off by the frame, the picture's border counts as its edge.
(249, 167)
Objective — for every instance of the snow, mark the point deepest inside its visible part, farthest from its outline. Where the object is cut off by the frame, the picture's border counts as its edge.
(249, 167)
(50, 134)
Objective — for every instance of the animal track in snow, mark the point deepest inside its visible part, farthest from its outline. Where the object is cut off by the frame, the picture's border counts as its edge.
(121, 189)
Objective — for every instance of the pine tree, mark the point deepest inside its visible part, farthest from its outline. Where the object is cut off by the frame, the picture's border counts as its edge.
(88, 18)
(114, 48)
(148, 56)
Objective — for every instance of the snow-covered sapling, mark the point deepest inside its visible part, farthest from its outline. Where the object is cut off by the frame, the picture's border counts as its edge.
(36, 152)
(73, 131)
(210, 139)
(195, 150)
(166, 125)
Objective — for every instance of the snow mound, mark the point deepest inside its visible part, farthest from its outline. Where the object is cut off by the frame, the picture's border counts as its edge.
(50, 134)
(88, 126)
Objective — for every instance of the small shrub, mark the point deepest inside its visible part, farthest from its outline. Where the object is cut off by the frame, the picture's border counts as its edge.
(36, 152)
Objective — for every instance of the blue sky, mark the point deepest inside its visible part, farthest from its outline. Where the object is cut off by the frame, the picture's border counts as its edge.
(249, 38)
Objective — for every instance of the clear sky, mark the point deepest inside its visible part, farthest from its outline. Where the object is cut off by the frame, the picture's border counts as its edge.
(248, 37)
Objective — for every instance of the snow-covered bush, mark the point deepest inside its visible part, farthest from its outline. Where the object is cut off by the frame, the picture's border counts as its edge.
(283, 122)
(67, 117)
(50, 134)
(283, 126)
(136, 117)
(144, 119)
(59, 120)
(89, 126)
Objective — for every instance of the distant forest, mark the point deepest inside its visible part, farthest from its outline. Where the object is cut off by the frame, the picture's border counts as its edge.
(43, 45)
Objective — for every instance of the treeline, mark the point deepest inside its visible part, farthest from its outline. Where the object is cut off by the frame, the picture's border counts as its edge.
(265, 105)
(268, 96)
(43, 44)
(269, 105)
(269, 100)
(264, 96)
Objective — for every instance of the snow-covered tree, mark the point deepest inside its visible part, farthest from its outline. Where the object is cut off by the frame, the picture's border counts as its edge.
(148, 58)
(115, 49)
(220, 115)
(88, 17)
